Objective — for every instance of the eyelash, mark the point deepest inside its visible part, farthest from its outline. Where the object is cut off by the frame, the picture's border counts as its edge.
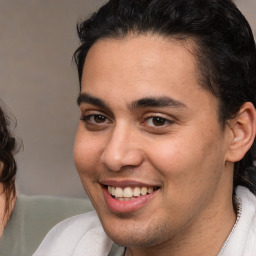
(87, 118)
(157, 118)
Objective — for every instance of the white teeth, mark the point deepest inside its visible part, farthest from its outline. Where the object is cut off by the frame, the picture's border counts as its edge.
(129, 193)
(144, 191)
(136, 191)
(150, 190)
(118, 192)
(113, 191)
(124, 198)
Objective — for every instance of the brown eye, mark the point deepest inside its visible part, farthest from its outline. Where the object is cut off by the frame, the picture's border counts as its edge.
(158, 121)
(99, 118)
(95, 119)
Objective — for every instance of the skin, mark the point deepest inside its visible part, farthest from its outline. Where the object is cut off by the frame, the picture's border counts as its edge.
(4, 217)
(185, 154)
(2, 207)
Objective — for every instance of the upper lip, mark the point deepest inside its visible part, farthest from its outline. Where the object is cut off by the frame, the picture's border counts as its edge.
(126, 183)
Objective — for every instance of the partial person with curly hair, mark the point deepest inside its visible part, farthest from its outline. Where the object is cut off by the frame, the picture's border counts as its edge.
(25, 220)
(7, 171)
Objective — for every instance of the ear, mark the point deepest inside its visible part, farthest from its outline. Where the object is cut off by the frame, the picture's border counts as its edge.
(243, 130)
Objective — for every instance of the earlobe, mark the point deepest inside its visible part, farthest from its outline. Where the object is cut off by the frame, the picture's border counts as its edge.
(243, 130)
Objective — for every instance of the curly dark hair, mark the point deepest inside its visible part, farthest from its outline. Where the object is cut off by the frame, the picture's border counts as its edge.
(225, 49)
(7, 148)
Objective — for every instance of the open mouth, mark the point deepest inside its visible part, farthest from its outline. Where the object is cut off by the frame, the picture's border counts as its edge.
(127, 196)
(129, 193)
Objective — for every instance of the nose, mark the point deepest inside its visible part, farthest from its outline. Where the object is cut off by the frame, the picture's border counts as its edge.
(122, 150)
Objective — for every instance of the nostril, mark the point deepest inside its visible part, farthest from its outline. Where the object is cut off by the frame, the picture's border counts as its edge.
(122, 160)
(121, 151)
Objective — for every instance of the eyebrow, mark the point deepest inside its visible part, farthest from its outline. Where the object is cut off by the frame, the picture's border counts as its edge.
(156, 102)
(86, 98)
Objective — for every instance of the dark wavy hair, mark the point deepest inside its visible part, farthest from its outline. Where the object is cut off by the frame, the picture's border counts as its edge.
(225, 50)
(7, 149)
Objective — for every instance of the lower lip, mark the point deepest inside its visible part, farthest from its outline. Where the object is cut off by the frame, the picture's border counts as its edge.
(118, 206)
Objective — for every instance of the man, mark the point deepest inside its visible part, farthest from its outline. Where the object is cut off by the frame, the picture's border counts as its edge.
(165, 145)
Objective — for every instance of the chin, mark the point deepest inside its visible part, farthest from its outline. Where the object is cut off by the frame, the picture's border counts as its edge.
(128, 233)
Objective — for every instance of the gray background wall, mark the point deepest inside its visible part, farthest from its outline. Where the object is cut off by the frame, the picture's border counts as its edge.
(39, 84)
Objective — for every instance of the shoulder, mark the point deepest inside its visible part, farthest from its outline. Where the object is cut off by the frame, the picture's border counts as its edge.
(78, 235)
(79, 224)
(43, 212)
(247, 197)
(247, 202)
(33, 217)
(243, 236)
(64, 207)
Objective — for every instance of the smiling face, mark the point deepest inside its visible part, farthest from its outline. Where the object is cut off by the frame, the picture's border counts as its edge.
(149, 135)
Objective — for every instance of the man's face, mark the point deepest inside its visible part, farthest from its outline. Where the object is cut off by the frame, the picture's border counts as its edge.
(150, 135)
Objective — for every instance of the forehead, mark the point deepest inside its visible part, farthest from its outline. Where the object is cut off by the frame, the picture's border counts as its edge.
(142, 53)
(141, 66)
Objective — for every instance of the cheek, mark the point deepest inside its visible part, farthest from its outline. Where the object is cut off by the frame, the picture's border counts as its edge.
(170, 155)
(190, 170)
(85, 158)
(189, 157)
(86, 154)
